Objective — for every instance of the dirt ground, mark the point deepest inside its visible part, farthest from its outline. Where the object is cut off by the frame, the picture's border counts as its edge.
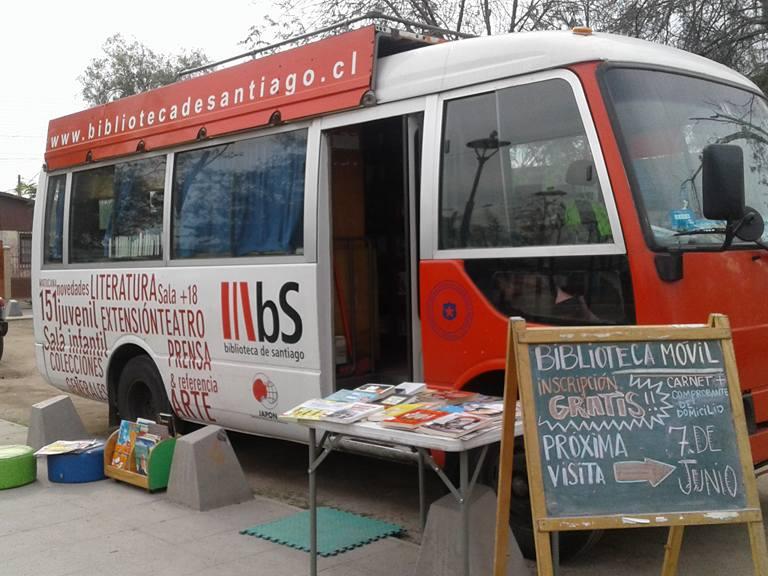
(274, 468)
(21, 385)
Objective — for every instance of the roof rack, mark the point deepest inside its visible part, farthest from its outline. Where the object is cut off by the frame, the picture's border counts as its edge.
(400, 40)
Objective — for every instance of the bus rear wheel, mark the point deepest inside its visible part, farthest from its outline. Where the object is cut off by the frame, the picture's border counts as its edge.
(140, 390)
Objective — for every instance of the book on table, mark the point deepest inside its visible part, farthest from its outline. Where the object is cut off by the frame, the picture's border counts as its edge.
(397, 410)
(483, 408)
(315, 409)
(394, 400)
(381, 390)
(412, 419)
(345, 395)
(446, 396)
(353, 412)
(455, 424)
(409, 388)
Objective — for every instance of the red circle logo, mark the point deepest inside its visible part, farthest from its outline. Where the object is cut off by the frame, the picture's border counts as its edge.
(264, 391)
(449, 310)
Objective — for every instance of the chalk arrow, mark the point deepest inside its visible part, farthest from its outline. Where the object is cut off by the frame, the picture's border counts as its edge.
(649, 470)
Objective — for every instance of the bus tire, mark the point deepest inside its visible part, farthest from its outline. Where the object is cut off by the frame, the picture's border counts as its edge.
(140, 390)
(572, 543)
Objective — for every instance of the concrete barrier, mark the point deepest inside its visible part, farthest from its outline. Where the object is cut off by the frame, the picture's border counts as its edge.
(441, 545)
(205, 473)
(13, 309)
(54, 419)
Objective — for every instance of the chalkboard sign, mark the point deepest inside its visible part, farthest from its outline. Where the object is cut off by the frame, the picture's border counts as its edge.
(643, 422)
(626, 427)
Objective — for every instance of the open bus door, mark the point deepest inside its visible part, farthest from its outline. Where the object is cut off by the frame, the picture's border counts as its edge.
(373, 175)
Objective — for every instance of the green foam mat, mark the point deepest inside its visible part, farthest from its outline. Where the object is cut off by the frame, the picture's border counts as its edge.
(18, 466)
(337, 531)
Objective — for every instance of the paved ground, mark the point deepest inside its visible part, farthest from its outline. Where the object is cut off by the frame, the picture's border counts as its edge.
(49, 529)
(110, 528)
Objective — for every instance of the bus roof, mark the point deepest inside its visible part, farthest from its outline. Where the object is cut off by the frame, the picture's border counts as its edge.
(456, 64)
(331, 75)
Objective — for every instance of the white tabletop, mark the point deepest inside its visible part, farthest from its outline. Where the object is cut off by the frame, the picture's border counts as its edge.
(374, 431)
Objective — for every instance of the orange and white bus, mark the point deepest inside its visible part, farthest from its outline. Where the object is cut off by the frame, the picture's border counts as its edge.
(370, 207)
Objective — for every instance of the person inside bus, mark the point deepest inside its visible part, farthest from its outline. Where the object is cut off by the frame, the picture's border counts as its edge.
(570, 302)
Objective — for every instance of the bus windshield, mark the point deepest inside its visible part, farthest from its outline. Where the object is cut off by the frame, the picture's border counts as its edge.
(665, 120)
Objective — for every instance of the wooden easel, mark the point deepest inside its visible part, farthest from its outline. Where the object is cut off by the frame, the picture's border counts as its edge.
(518, 384)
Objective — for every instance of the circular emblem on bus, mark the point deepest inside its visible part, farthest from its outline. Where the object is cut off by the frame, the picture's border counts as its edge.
(449, 310)
(265, 391)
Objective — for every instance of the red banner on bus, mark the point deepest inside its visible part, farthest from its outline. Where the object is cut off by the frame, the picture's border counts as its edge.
(325, 76)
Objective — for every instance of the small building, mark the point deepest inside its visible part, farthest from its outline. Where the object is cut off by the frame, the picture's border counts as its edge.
(16, 241)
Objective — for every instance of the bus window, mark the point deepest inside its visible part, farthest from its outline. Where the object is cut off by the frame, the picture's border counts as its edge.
(117, 212)
(665, 120)
(54, 220)
(517, 171)
(558, 290)
(243, 198)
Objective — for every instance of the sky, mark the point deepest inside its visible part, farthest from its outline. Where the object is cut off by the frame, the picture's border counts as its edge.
(46, 44)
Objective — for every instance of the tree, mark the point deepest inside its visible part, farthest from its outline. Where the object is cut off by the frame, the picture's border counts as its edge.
(25, 189)
(470, 17)
(130, 67)
(732, 32)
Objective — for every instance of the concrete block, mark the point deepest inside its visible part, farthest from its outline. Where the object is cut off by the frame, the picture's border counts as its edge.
(13, 310)
(54, 419)
(441, 541)
(205, 472)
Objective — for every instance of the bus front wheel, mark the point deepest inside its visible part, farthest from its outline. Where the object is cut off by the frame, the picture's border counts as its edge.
(140, 390)
(572, 543)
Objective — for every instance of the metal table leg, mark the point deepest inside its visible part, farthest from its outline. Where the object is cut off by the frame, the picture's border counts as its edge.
(422, 496)
(327, 442)
(312, 505)
(464, 488)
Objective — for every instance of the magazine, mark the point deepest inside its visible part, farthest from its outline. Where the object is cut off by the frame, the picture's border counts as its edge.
(67, 447)
(455, 424)
(313, 410)
(126, 436)
(412, 419)
(142, 447)
(353, 412)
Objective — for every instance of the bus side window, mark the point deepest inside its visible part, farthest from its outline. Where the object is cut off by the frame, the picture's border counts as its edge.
(517, 171)
(54, 220)
(112, 215)
(244, 198)
(559, 290)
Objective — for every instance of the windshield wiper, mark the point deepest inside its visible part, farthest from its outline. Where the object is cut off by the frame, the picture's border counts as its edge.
(700, 231)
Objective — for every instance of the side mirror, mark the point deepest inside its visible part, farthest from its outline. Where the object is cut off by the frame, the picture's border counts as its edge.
(723, 182)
